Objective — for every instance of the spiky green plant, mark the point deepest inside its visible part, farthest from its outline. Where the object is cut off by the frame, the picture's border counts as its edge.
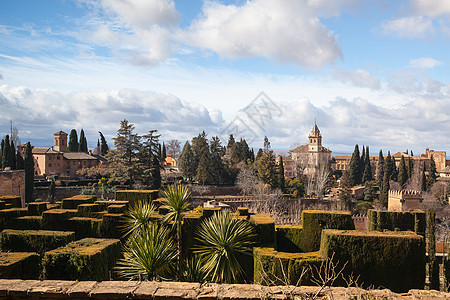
(137, 217)
(176, 197)
(192, 270)
(223, 237)
(149, 255)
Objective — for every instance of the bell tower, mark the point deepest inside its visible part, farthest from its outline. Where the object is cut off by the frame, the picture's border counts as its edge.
(315, 139)
(60, 141)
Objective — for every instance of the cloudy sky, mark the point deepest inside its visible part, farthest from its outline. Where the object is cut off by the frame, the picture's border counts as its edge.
(370, 72)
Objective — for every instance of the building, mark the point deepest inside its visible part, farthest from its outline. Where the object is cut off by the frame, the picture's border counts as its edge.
(404, 200)
(308, 157)
(12, 183)
(55, 161)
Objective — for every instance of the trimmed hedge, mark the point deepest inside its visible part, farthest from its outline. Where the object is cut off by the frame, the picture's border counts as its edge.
(117, 208)
(393, 260)
(86, 210)
(34, 240)
(13, 201)
(56, 219)
(73, 202)
(280, 268)
(243, 211)
(105, 203)
(36, 208)
(9, 215)
(392, 220)
(27, 223)
(136, 195)
(316, 220)
(19, 265)
(265, 230)
(189, 229)
(207, 211)
(85, 227)
(86, 259)
(111, 224)
(289, 238)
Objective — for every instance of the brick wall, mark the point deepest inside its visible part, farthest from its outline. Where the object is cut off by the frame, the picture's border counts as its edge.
(12, 183)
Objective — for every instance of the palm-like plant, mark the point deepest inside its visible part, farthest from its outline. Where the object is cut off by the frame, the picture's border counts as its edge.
(149, 255)
(137, 217)
(176, 197)
(222, 238)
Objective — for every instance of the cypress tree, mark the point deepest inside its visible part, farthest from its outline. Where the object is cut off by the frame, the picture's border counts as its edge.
(186, 162)
(204, 170)
(431, 173)
(354, 168)
(392, 168)
(402, 173)
(258, 154)
(156, 173)
(29, 174)
(6, 156)
(367, 175)
(345, 193)
(231, 142)
(423, 182)
(384, 193)
(73, 141)
(164, 152)
(387, 168)
(12, 156)
(104, 148)
(281, 179)
(362, 163)
(98, 144)
(82, 147)
(19, 161)
(2, 150)
(410, 167)
(433, 267)
(52, 190)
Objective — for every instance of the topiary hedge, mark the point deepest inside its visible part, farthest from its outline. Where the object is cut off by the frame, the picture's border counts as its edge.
(289, 238)
(12, 201)
(27, 223)
(86, 259)
(393, 260)
(315, 220)
(391, 220)
(86, 210)
(111, 225)
(265, 230)
(281, 268)
(105, 203)
(19, 265)
(191, 221)
(36, 208)
(85, 227)
(73, 202)
(136, 195)
(56, 219)
(9, 215)
(34, 240)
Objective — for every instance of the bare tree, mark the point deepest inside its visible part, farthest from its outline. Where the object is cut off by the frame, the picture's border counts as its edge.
(310, 188)
(268, 200)
(414, 181)
(14, 134)
(173, 148)
(246, 180)
(322, 179)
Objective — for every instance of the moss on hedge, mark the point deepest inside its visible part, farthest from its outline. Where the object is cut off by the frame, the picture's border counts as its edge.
(86, 210)
(34, 240)
(289, 238)
(189, 228)
(265, 230)
(27, 223)
(19, 265)
(56, 219)
(280, 268)
(136, 195)
(13, 201)
(394, 260)
(85, 227)
(111, 225)
(316, 220)
(73, 202)
(209, 211)
(391, 220)
(36, 208)
(9, 215)
(117, 208)
(86, 259)
(105, 203)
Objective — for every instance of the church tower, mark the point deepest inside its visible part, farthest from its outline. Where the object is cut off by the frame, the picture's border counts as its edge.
(315, 140)
(60, 141)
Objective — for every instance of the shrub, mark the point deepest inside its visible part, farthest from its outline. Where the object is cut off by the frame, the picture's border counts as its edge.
(27, 223)
(20, 265)
(9, 215)
(390, 220)
(111, 224)
(36, 208)
(73, 202)
(85, 227)
(86, 259)
(13, 201)
(136, 195)
(289, 238)
(56, 219)
(394, 260)
(265, 230)
(86, 210)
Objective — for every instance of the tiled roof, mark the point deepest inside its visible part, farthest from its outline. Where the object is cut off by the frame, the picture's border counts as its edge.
(44, 151)
(78, 155)
(60, 132)
(301, 148)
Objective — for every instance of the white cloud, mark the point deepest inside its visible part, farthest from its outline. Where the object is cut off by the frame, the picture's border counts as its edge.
(358, 77)
(408, 27)
(432, 8)
(424, 62)
(285, 31)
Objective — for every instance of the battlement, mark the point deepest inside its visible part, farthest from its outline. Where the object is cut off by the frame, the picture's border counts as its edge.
(405, 194)
(404, 200)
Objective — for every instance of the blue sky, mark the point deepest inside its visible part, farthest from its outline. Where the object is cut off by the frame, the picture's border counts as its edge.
(370, 72)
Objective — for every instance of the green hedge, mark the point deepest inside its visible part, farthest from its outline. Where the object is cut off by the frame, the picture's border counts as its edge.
(34, 240)
(392, 220)
(9, 215)
(289, 238)
(315, 220)
(393, 260)
(56, 219)
(207, 211)
(189, 228)
(73, 202)
(19, 265)
(136, 195)
(105, 203)
(27, 223)
(36, 208)
(280, 268)
(117, 208)
(86, 259)
(13, 201)
(265, 230)
(243, 211)
(85, 227)
(111, 226)
(86, 210)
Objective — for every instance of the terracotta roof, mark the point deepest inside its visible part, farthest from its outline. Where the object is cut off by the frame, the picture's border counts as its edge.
(44, 151)
(348, 157)
(78, 155)
(400, 154)
(302, 148)
(60, 132)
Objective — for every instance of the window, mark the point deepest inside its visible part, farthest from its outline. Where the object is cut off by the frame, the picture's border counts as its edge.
(49, 165)
(57, 157)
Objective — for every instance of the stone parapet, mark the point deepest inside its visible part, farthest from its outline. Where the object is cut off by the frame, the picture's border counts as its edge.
(57, 289)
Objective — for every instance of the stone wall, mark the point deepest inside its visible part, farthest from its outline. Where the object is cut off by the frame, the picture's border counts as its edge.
(54, 289)
(12, 183)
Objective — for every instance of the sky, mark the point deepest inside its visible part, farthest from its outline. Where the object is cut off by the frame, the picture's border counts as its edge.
(367, 72)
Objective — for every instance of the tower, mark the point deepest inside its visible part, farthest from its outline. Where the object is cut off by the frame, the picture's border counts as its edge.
(315, 139)
(60, 141)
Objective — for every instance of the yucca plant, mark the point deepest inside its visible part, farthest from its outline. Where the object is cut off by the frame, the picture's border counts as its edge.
(137, 217)
(192, 271)
(221, 238)
(176, 197)
(149, 255)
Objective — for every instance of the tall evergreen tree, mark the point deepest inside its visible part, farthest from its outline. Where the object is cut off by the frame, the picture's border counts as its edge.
(13, 156)
(164, 152)
(204, 170)
(104, 148)
(29, 174)
(423, 181)
(362, 163)
(52, 190)
(6, 155)
(252, 156)
(385, 186)
(281, 179)
(19, 161)
(392, 168)
(73, 141)
(231, 142)
(266, 165)
(258, 154)
(402, 173)
(431, 173)
(354, 168)
(345, 193)
(148, 161)
(433, 267)
(187, 162)
(369, 191)
(82, 147)
(410, 167)
(2, 150)
(380, 168)
(220, 175)
(388, 166)
(367, 174)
